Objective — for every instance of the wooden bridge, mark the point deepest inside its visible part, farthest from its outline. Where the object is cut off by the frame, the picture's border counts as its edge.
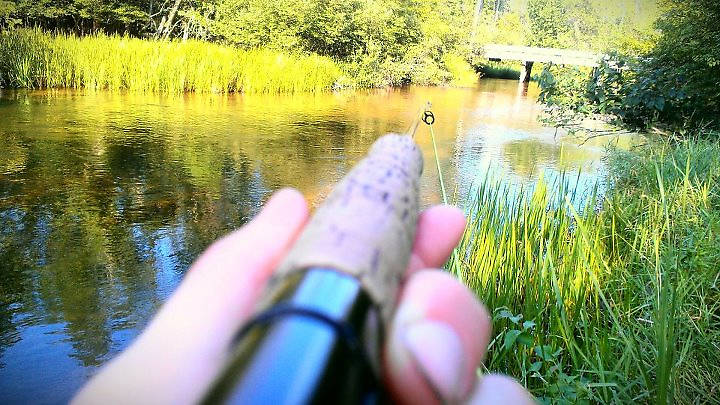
(528, 55)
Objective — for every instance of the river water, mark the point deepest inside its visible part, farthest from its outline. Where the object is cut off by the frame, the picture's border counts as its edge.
(106, 198)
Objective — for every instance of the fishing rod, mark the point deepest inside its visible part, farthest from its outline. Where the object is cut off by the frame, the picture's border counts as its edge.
(318, 331)
(423, 114)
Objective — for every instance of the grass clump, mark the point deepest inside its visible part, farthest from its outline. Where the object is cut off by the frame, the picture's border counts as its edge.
(616, 303)
(33, 59)
(501, 70)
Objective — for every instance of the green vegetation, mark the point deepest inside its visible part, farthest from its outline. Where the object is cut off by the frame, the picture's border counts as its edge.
(616, 304)
(672, 84)
(375, 43)
(381, 42)
(501, 70)
(33, 59)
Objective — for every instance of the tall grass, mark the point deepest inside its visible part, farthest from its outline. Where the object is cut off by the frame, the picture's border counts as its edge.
(501, 70)
(617, 303)
(34, 59)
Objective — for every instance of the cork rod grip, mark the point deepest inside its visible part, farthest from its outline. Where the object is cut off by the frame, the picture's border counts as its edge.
(366, 226)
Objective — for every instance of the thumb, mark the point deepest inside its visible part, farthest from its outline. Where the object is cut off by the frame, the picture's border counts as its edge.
(436, 341)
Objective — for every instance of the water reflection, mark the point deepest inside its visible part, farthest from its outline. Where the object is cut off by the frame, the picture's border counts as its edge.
(105, 199)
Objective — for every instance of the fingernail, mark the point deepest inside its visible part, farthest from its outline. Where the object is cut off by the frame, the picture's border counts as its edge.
(438, 355)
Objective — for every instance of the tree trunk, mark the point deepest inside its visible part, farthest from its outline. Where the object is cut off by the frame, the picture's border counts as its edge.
(476, 17)
(165, 29)
(526, 72)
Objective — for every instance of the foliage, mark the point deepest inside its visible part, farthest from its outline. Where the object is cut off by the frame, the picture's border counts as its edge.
(382, 42)
(463, 75)
(675, 83)
(616, 303)
(33, 59)
(592, 24)
(547, 22)
(690, 32)
(566, 87)
(331, 28)
(688, 57)
(639, 93)
(7, 9)
(133, 17)
(379, 43)
(82, 15)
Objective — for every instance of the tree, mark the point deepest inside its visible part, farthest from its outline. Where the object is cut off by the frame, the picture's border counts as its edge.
(133, 17)
(7, 10)
(166, 25)
(336, 28)
(548, 23)
(689, 51)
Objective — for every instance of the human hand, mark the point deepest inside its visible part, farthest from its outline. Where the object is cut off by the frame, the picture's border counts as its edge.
(437, 339)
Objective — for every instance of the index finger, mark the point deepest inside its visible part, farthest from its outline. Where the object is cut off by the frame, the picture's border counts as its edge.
(439, 229)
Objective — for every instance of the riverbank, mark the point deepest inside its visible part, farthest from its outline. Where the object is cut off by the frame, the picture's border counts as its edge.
(614, 304)
(36, 60)
(33, 59)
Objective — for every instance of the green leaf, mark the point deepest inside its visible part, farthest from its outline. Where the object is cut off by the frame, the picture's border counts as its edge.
(503, 313)
(510, 338)
(506, 314)
(544, 352)
(660, 103)
(525, 339)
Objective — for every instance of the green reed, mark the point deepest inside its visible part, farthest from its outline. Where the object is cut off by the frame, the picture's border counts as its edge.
(617, 302)
(501, 70)
(34, 59)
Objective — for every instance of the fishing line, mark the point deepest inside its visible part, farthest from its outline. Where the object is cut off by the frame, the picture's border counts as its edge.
(429, 119)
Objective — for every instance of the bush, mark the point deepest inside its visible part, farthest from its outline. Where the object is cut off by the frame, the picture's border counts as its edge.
(379, 43)
(676, 84)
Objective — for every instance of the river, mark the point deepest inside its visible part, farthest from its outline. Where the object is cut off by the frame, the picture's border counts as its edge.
(106, 198)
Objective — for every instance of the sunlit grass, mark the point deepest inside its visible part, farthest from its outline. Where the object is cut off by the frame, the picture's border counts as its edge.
(33, 59)
(501, 70)
(616, 303)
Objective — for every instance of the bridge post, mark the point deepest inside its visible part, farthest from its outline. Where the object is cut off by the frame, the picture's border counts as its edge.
(526, 72)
